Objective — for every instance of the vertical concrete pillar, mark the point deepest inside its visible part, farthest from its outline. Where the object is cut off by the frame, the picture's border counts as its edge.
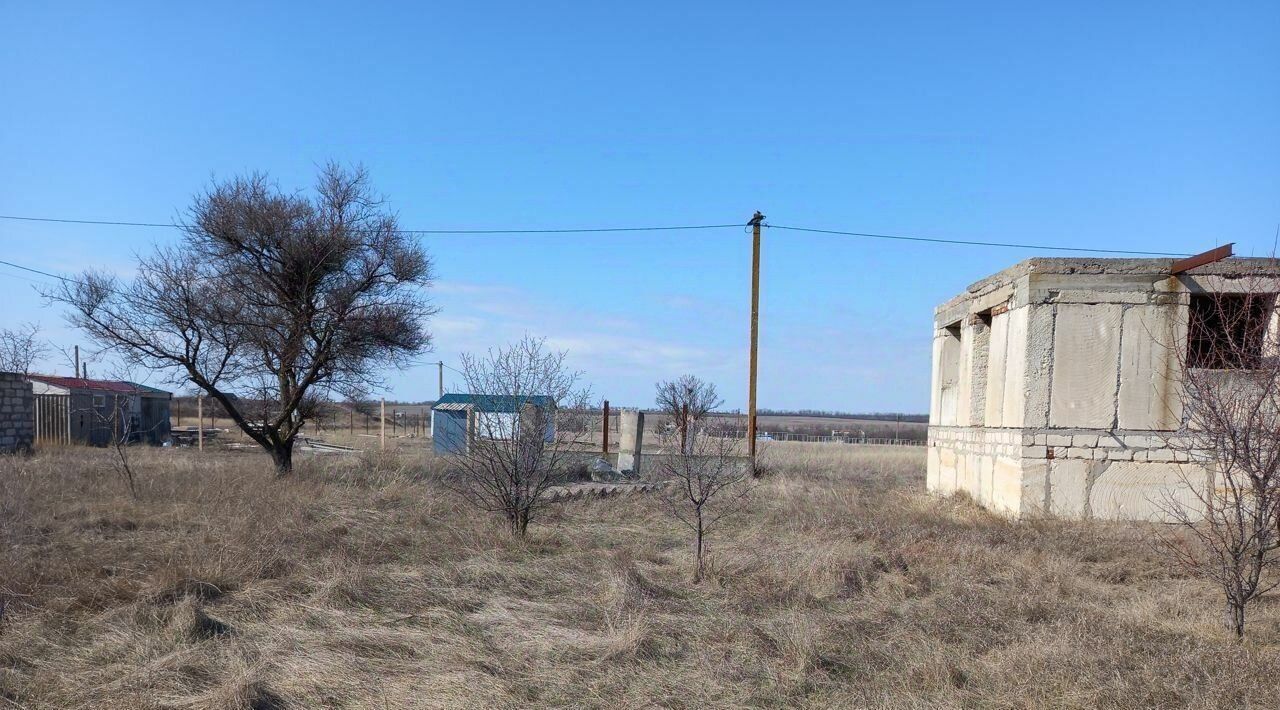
(631, 432)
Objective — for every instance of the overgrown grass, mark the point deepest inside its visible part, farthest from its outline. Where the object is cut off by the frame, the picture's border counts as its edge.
(360, 583)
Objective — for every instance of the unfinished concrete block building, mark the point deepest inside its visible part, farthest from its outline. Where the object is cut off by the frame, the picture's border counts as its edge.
(1055, 383)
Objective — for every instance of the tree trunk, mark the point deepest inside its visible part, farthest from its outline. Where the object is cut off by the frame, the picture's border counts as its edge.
(1234, 619)
(282, 457)
(697, 575)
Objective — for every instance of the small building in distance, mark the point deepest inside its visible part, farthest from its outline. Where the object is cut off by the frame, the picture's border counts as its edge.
(1055, 382)
(97, 412)
(458, 419)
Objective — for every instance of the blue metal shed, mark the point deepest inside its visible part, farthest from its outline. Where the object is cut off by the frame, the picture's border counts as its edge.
(452, 414)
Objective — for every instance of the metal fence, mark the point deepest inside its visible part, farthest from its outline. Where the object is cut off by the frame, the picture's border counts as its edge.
(52, 419)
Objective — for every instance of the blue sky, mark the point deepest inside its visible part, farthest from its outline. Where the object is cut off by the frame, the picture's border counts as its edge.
(1124, 125)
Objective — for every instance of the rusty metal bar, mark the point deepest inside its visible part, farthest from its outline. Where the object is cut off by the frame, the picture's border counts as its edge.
(1201, 259)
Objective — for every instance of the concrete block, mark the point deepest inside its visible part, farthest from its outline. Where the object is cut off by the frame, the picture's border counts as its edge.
(1079, 453)
(935, 389)
(1086, 348)
(1149, 370)
(964, 380)
(1069, 487)
(998, 344)
(1035, 488)
(1093, 296)
(1086, 440)
(1035, 452)
(1015, 373)
(1143, 491)
(631, 444)
(1058, 440)
(932, 469)
(946, 471)
(986, 479)
(1039, 365)
(1005, 494)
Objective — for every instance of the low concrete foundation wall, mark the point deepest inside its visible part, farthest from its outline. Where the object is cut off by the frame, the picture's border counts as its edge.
(1074, 474)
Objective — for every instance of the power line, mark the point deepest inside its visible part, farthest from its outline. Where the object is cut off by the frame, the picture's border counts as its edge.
(651, 228)
(36, 271)
(565, 230)
(973, 242)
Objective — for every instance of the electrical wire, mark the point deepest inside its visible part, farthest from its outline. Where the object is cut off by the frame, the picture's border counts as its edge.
(974, 242)
(656, 228)
(563, 230)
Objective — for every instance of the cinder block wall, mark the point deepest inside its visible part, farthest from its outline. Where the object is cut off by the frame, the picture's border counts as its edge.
(17, 419)
(1080, 388)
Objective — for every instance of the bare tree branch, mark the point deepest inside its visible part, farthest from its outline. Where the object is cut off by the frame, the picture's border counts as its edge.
(1227, 512)
(21, 347)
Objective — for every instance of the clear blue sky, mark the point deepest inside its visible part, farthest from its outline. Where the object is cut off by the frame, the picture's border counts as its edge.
(1134, 125)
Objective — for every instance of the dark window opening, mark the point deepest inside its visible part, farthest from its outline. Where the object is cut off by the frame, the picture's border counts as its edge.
(1227, 330)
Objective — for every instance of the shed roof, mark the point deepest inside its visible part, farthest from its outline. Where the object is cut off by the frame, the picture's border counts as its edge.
(491, 402)
(80, 383)
(147, 390)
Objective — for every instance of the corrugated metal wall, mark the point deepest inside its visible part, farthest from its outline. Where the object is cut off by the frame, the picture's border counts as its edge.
(449, 431)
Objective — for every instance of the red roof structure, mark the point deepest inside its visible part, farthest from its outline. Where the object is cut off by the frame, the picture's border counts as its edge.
(81, 383)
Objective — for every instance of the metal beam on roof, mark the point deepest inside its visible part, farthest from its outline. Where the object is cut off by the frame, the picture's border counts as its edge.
(1201, 259)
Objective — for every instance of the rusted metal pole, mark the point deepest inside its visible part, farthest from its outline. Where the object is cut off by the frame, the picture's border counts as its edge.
(755, 332)
(382, 429)
(605, 448)
(200, 420)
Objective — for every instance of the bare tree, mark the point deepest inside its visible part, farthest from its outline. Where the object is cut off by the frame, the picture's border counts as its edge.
(21, 347)
(687, 401)
(274, 302)
(521, 432)
(123, 430)
(1229, 506)
(704, 481)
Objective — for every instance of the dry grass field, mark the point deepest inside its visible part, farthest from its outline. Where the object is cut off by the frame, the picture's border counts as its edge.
(361, 583)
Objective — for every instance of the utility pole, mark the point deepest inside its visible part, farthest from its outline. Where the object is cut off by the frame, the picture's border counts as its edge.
(382, 431)
(756, 219)
(77, 372)
(606, 429)
(441, 366)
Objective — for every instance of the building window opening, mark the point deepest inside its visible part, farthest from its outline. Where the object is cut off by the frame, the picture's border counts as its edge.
(1228, 331)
